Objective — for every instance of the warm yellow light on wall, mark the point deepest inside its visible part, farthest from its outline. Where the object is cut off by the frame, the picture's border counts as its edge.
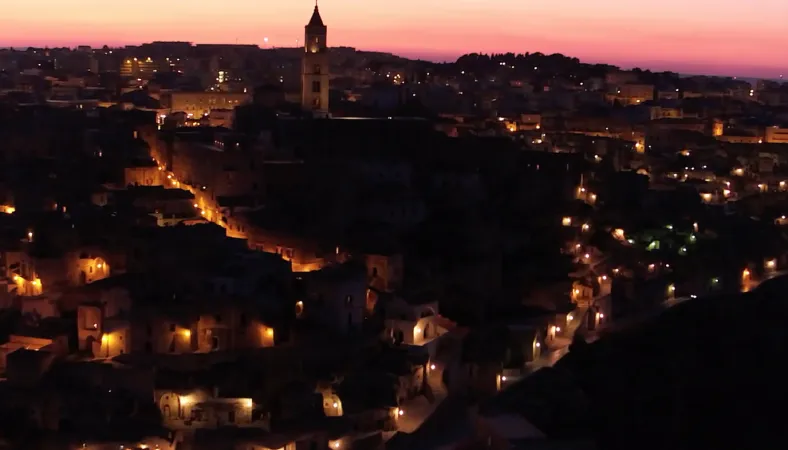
(187, 333)
(299, 308)
(104, 338)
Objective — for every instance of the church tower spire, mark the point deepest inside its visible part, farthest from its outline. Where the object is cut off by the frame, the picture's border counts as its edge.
(315, 68)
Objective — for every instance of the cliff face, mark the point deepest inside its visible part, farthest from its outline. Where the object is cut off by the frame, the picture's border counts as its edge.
(708, 372)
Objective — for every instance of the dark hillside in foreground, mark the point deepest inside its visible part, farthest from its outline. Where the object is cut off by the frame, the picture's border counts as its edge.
(709, 373)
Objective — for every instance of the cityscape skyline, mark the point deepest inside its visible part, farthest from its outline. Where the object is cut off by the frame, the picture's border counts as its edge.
(750, 44)
(220, 246)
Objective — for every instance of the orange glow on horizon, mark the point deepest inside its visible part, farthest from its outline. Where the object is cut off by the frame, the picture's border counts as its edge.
(444, 31)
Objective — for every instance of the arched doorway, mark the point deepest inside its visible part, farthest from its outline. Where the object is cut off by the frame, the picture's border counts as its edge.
(299, 309)
(170, 405)
(83, 278)
(398, 336)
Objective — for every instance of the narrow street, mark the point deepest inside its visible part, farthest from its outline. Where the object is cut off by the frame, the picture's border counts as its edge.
(419, 409)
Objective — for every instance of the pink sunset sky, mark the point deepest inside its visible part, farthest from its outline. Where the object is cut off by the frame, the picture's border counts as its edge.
(744, 38)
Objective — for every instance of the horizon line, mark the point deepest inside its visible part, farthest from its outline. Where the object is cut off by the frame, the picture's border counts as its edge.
(436, 59)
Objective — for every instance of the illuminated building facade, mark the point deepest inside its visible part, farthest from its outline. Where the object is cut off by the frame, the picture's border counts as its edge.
(138, 67)
(198, 104)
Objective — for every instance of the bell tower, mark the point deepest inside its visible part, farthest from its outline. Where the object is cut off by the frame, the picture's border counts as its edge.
(314, 71)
